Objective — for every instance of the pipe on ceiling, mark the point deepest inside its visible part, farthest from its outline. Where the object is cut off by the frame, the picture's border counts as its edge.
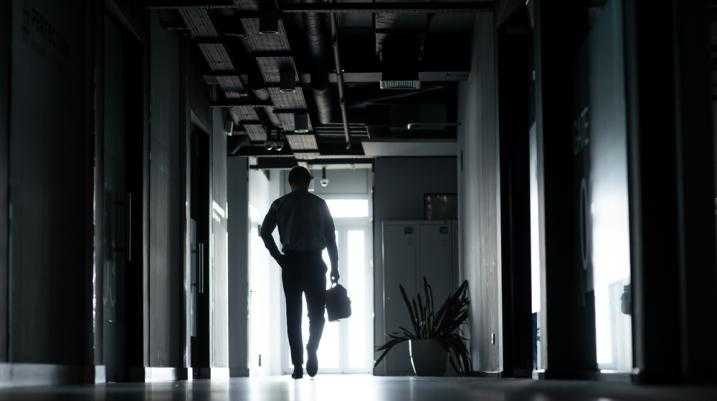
(340, 79)
(452, 7)
(316, 34)
(449, 7)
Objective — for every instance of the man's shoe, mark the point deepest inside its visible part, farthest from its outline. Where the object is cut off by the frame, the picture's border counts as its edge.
(312, 364)
(298, 372)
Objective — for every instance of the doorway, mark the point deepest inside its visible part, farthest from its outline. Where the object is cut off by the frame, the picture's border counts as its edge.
(347, 346)
(122, 223)
(199, 245)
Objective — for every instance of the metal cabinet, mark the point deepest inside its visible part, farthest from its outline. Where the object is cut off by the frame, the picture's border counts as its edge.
(412, 250)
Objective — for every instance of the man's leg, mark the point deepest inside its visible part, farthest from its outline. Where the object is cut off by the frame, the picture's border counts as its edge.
(292, 292)
(316, 303)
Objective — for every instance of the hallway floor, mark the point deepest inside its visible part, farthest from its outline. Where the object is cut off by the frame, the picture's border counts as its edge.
(363, 388)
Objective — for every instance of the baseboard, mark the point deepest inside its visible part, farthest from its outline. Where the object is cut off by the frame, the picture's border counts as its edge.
(570, 374)
(218, 374)
(492, 374)
(614, 376)
(239, 371)
(39, 374)
(152, 374)
(520, 374)
(603, 376)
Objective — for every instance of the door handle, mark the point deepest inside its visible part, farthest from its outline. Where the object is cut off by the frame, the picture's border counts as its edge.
(201, 268)
(129, 226)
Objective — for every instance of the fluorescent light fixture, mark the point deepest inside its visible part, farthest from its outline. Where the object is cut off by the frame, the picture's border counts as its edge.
(400, 84)
(306, 155)
(302, 142)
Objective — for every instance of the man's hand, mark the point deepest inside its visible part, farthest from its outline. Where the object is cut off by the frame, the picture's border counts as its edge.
(335, 276)
(281, 260)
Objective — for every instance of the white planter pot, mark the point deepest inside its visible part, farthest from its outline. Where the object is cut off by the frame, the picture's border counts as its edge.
(428, 357)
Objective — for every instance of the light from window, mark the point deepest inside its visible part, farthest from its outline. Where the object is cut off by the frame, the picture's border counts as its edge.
(348, 208)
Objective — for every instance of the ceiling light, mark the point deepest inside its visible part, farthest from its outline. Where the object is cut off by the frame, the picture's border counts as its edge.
(399, 84)
(302, 142)
(306, 155)
(324, 180)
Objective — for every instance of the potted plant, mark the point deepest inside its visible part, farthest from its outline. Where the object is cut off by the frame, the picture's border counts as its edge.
(435, 336)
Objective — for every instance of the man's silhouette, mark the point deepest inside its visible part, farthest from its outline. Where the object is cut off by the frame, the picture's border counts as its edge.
(305, 229)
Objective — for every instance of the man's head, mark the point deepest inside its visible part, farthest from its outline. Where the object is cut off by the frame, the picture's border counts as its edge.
(299, 178)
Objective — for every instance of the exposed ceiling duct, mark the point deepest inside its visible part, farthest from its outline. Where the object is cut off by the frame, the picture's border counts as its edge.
(277, 69)
(316, 34)
(340, 79)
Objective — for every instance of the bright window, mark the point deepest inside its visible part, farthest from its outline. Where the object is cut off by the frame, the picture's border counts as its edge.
(348, 208)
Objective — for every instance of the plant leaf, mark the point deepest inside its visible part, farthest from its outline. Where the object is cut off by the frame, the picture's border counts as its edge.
(411, 312)
(386, 348)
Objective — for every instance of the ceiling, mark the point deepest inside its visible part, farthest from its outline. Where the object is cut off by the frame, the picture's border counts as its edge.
(275, 65)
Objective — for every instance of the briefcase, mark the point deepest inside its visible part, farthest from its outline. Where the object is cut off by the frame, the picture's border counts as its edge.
(338, 304)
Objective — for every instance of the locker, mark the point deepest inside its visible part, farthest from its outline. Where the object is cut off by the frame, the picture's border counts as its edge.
(412, 250)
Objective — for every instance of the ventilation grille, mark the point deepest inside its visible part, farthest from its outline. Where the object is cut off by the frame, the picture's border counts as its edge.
(306, 155)
(302, 142)
(400, 84)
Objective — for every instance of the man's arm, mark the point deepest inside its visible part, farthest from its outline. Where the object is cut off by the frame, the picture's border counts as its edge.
(267, 227)
(330, 237)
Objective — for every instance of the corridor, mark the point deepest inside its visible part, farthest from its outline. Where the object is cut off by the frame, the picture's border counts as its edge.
(363, 388)
(386, 200)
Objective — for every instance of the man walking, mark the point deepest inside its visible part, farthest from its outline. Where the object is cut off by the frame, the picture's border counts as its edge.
(305, 229)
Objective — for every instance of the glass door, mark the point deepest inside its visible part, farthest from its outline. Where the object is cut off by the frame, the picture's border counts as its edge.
(347, 346)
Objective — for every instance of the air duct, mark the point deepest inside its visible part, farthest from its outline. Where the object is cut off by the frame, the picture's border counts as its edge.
(318, 50)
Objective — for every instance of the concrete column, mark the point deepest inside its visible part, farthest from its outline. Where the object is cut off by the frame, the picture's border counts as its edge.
(567, 302)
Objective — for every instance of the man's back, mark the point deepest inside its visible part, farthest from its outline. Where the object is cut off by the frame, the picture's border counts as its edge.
(306, 228)
(303, 220)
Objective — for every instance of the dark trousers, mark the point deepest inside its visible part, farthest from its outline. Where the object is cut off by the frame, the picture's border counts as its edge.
(304, 272)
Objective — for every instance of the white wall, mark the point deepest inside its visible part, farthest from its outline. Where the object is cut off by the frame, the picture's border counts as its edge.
(238, 244)
(267, 315)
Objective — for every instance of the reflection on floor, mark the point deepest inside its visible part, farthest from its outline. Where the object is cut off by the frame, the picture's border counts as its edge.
(364, 388)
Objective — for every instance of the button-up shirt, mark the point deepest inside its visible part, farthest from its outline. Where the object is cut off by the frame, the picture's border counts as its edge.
(304, 221)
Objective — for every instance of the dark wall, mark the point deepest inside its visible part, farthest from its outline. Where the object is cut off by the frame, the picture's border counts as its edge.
(400, 183)
(238, 264)
(5, 26)
(399, 186)
(479, 181)
(166, 274)
(49, 183)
